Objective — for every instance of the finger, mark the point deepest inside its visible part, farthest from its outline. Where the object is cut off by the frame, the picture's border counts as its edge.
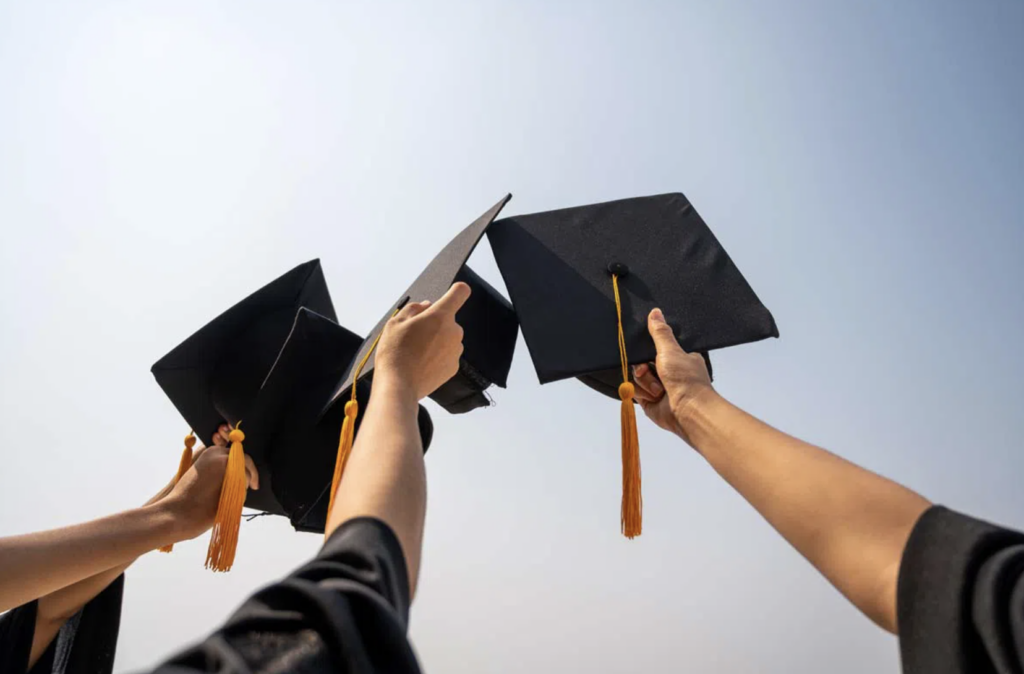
(643, 397)
(452, 300)
(641, 392)
(219, 440)
(251, 474)
(645, 379)
(661, 332)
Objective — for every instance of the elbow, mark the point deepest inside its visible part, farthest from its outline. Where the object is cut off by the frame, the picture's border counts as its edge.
(51, 611)
(881, 604)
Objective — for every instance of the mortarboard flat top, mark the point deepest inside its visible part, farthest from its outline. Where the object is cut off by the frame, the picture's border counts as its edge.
(487, 319)
(237, 349)
(556, 266)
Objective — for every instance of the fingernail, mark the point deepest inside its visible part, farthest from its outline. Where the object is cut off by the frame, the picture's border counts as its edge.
(656, 315)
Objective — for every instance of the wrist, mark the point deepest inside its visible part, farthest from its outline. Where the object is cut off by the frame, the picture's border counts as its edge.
(387, 385)
(169, 520)
(692, 412)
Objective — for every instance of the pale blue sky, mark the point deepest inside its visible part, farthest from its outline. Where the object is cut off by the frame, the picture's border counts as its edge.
(862, 163)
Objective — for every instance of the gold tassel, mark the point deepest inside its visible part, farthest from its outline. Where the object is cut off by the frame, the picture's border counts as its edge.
(224, 539)
(348, 426)
(632, 513)
(348, 431)
(183, 465)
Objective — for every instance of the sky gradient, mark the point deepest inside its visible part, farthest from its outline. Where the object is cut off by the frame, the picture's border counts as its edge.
(861, 162)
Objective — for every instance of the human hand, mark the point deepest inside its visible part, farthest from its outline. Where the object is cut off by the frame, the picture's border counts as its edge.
(194, 499)
(421, 345)
(667, 397)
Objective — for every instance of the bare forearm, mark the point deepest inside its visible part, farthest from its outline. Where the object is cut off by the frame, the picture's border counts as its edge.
(38, 564)
(385, 476)
(58, 606)
(850, 523)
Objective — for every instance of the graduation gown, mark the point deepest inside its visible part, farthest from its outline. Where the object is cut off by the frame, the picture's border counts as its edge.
(960, 602)
(346, 611)
(84, 645)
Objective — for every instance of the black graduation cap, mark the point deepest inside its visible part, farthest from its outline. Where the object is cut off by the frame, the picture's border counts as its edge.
(557, 268)
(561, 269)
(272, 361)
(487, 319)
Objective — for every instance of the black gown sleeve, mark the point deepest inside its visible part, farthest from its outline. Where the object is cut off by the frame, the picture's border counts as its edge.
(345, 611)
(960, 602)
(17, 627)
(86, 644)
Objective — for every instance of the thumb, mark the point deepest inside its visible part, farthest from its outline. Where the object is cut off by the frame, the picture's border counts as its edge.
(452, 300)
(661, 333)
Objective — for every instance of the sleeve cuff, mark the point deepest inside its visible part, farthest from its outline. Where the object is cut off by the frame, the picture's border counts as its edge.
(374, 539)
(936, 580)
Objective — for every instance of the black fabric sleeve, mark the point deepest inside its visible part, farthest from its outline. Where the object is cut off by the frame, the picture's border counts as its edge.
(345, 611)
(85, 644)
(960, 600)
(17, 627)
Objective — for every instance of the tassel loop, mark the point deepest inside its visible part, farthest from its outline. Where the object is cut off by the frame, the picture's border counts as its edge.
(220, 556)
(183, 465)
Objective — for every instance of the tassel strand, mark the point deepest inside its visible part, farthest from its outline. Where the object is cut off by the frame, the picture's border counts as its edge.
(183, 465)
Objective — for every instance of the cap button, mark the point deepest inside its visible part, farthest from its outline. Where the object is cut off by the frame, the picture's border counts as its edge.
(618, 269)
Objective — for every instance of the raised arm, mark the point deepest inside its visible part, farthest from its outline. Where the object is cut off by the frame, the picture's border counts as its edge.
(385, 476)
(850, 523)
(40, 564)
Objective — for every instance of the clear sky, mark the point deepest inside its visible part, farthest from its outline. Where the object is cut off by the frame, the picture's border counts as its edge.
(861, 162)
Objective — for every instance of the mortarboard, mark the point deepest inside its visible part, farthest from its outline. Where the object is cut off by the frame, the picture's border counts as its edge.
(489, 329)
(271, 360)
(577, 276)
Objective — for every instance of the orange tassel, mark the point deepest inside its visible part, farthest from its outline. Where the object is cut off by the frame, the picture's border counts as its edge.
(348, 431)
(224, 539)
(183, 465)
(632, 515)
(632, 512)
